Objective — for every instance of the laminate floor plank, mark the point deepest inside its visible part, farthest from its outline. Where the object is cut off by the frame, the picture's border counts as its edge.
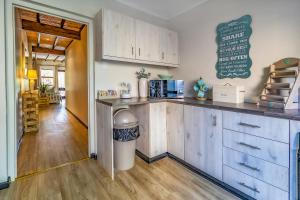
(61, 139)
(163, 180)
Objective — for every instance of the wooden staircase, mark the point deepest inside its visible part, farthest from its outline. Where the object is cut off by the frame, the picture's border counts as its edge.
(281, 89)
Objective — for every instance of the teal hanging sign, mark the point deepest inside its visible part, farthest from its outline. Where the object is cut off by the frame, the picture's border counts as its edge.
(233, 48)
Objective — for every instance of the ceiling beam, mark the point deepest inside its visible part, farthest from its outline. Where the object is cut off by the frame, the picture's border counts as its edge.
(62, 23)
(82, 26)
(39, 40)
(47, 51)
(52, 30)
(47, 57)
(55, 42)
(38, 17)
(56, 58)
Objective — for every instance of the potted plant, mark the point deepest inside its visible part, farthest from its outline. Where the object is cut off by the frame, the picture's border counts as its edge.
(143, 82)
(43, 88)
(201, 89)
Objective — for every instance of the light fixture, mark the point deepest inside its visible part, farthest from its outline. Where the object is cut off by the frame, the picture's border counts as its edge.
(32, 75)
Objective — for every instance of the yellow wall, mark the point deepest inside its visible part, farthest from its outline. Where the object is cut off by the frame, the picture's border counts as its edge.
(76, 78)
(21, 84)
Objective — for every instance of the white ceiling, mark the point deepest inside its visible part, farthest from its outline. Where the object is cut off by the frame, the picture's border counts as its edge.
(165, 9)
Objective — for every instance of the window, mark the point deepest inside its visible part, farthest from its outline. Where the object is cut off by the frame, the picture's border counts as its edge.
(61, 83)
(47, 77)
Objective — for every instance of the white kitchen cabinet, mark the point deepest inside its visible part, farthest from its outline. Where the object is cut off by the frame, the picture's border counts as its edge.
(152, 124)
(158, 129)
(175, 130)
(168, 46)
(118, 35)
(122, 38)
(142, 114)
(294, 145)
(147, 41)
(203, 139)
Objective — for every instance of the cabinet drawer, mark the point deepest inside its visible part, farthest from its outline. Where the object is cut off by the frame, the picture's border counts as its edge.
(266, 127)
(251, 186)
(272, 151)
(265, 171)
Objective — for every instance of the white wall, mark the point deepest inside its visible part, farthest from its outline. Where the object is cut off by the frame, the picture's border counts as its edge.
(3, 138)
(276, 34)
(109, 75)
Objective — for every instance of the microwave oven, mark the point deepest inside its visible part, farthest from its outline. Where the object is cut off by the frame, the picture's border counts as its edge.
(172, 89)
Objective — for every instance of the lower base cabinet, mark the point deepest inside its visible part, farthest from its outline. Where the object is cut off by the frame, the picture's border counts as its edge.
(152, 124)
(252, 186)
(203, 139)
(260, 167)
(175, 130)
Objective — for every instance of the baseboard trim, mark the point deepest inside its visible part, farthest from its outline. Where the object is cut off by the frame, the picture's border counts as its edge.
(77, 118)
(212, 179)
(150, 160)
(5, 185)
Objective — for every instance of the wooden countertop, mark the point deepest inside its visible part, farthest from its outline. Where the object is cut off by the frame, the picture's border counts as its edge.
(293, 114)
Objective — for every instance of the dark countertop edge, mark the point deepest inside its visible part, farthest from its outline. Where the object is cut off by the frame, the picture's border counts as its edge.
(277, 113)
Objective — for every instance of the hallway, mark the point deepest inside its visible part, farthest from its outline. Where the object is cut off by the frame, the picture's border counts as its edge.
(61, 138)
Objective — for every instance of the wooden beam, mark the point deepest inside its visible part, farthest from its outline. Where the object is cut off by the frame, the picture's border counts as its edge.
(69, 44)
(39, 40)
(47, 57)
(47, 51)
(55, 58)
(47, 29)
(38, 17)
(62, 23)
(55, 42)
(82, 26)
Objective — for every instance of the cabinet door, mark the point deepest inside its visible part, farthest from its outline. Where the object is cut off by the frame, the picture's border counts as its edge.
(142, 114)
(157, 126)
(175, 130)
(147, 41)
(168, 46)
(203, 139)
(118, 35)
(294, 145)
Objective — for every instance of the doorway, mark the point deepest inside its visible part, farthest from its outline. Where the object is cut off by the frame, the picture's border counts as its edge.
(52, 87)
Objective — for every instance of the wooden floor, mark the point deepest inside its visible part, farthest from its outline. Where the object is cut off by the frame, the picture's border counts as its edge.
(61, 138)
(164, 179)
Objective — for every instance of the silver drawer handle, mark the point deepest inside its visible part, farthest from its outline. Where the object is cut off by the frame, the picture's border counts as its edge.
(249, 145)
(248, 187)
(214, 118)
(248, 125)
(248, 166)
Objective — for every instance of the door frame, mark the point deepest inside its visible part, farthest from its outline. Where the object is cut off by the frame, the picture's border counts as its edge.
(10, 6)
(3, 136)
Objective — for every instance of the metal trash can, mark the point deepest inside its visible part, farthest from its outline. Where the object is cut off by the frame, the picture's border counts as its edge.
(125, 133)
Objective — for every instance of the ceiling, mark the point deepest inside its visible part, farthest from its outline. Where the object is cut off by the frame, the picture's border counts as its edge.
(165, 9)
(50, 36)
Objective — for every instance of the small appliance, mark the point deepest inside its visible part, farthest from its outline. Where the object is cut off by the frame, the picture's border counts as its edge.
(172, 89)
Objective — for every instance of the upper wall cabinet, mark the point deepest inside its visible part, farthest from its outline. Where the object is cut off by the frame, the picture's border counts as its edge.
(126, 39)
(147, 41)
(168, 46)
(118, 35)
